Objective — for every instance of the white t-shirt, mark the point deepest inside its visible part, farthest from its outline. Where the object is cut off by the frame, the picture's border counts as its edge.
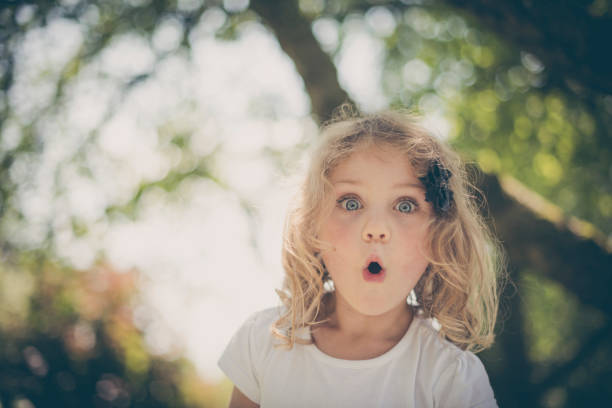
(421, 370)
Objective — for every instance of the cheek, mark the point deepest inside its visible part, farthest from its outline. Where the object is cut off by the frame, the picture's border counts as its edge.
(415, 244)
(422, 245)
(337, 234)
(336, 231)
(424, 242)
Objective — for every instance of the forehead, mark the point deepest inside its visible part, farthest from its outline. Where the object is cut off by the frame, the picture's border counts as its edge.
(375, 162)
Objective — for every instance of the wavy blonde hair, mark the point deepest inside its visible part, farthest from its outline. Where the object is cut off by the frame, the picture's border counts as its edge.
(459, 287)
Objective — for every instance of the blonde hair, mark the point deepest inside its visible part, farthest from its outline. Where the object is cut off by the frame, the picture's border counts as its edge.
(459, 287)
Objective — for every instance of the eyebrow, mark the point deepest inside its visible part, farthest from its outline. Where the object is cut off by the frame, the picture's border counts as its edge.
(397, 185)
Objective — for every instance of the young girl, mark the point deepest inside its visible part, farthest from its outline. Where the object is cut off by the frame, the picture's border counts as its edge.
(390, 281)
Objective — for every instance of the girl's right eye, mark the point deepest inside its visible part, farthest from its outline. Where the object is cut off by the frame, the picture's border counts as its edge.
(349, 203)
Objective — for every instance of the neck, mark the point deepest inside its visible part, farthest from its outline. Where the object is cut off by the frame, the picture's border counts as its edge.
(390, 326)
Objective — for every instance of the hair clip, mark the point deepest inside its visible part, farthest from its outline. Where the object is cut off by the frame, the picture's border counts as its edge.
(437, 190)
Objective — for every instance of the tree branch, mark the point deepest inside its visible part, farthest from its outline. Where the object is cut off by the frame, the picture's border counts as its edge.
(295, 36)
(563, 249)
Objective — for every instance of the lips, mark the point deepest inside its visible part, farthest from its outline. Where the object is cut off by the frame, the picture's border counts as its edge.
(374, 270)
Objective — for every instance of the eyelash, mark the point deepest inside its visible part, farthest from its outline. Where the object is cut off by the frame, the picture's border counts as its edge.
(412, 202)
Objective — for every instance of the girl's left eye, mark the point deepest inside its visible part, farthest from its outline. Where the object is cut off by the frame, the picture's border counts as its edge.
(405, 206)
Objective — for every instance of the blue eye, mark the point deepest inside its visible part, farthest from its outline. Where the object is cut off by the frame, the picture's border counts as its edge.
(405, 206)
(349, 204)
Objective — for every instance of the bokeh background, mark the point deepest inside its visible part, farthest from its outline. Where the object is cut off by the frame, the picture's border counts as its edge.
(149, 150)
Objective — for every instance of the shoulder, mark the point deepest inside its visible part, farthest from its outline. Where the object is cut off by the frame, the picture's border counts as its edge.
(244, 356)
(264, 319)
(258, 327)
(431, 344)
(454, 374)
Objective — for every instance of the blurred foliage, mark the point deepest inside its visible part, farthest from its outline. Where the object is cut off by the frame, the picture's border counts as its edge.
(557, 323)
(69, 339)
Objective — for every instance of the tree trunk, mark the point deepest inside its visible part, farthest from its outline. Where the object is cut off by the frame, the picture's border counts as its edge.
(295, 36)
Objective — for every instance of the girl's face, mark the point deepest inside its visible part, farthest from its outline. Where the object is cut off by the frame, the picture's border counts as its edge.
(380, 217)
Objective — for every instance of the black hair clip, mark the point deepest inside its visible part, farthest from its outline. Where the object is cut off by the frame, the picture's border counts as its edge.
(437, 190)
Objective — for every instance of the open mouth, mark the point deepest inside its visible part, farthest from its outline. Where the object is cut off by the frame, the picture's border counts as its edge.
(374, 268)
(374, 272)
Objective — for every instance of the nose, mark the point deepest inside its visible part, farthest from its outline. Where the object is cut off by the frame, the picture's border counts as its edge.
(376, 230)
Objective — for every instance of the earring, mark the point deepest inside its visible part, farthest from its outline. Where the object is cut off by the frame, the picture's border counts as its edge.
(412, 299)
